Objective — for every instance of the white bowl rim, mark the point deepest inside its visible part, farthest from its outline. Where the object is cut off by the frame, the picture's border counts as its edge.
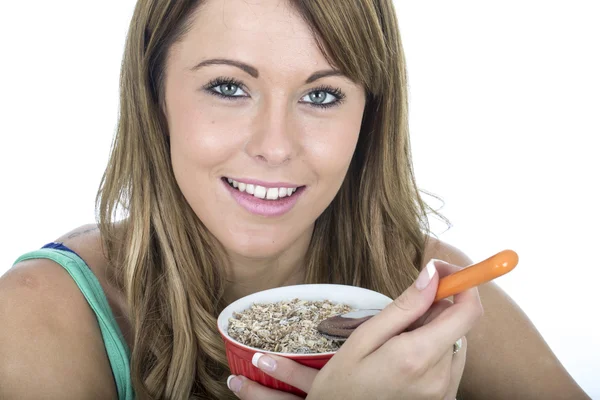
(313, 292)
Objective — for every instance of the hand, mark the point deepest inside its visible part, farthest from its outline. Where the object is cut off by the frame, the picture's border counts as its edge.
(281, 368)
(403, 352)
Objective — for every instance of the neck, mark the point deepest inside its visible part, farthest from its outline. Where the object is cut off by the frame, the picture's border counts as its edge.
(250, 275)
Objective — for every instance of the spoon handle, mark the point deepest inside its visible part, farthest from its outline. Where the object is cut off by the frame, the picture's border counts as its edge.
(340, 327)
(476, 274)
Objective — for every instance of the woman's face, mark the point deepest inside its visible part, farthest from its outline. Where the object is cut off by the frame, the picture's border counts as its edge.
(262, 128)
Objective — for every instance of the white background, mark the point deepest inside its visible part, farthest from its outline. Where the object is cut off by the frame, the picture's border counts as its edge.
(504, 114)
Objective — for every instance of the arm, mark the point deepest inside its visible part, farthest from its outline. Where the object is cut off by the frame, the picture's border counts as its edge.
(50, 343)
(507, 357)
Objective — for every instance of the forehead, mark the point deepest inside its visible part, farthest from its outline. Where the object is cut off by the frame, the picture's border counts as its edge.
(264, 33)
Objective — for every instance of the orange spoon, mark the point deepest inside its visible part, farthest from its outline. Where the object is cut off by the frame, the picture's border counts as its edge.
(340, 327)
(476, 274)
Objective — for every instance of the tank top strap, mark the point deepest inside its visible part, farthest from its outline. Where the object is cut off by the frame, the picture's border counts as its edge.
(114, 342)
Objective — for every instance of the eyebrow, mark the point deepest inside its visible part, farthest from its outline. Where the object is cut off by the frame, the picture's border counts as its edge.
(250, 70)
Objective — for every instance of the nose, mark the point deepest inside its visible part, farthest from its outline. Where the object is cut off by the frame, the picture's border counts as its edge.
(273, 138)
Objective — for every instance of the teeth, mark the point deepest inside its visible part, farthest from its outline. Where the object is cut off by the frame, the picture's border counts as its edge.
(272, 193)
(260, 191)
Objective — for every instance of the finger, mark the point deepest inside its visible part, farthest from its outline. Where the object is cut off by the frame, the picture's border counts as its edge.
(286, 370)
(441, 333)
(468, 302)
(444, 268)
(458, 366)
(396, 317)
(470, 295)
(247, 389)
(454, 322)
(435, 310)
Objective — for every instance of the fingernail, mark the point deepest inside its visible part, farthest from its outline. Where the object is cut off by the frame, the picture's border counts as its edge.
(426, 275)
(266, 363)
(234, 383)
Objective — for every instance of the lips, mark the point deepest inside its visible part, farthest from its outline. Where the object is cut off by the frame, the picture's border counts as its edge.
(264, 200)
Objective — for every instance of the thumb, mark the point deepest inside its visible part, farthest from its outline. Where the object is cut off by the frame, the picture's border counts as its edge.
(397, 316)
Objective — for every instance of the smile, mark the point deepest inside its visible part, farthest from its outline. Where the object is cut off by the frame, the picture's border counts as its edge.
(267, 201)
(262, 192)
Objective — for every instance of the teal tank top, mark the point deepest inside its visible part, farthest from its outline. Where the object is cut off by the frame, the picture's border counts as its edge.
(116, 348)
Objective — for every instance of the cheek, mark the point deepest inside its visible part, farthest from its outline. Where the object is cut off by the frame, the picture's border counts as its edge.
(331, 144)
(201, 135)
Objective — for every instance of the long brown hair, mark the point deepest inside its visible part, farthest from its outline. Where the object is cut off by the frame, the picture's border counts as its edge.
(169, 265)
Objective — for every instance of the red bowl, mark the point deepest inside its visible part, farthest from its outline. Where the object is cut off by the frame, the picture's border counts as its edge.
(239, 356)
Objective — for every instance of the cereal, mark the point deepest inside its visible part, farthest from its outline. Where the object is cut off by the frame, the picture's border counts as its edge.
(286, 327)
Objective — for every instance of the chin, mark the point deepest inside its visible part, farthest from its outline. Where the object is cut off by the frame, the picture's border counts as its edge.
(254, 246)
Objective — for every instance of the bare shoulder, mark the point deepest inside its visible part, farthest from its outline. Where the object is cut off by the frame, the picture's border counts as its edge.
(503, 370)
(441, 250)
(50, 342)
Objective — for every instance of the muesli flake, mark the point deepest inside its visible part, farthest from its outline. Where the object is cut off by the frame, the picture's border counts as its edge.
(288, 326)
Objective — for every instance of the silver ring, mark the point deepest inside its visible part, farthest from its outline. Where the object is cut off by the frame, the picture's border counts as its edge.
(456, 347)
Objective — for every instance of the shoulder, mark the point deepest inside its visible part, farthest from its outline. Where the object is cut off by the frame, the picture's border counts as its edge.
(50, 342)
(435, 248)
(86, 241)
(516, 342)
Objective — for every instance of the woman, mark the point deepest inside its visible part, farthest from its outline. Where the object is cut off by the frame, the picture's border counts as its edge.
(259, 145)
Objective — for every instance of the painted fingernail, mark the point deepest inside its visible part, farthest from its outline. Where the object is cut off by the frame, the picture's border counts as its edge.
(234, 383)
(426, 275)
(266, 363)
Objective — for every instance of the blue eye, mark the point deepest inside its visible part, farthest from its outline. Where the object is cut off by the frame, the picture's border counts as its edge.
(324, 97)
(319, 97)
(226, 87)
